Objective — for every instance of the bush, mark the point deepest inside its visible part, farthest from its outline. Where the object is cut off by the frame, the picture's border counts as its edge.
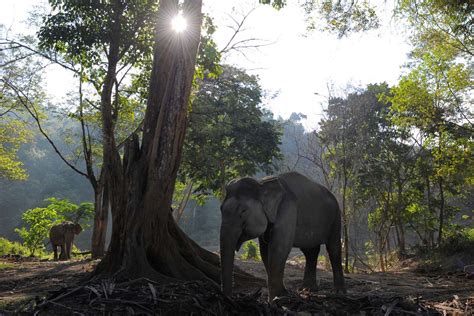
(39, 221)
(8, 247)
(251, 251)
(469, 234)
(458, 242)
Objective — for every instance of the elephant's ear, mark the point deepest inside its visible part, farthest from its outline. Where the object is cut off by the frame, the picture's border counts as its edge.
(271, 195)
(77, 229)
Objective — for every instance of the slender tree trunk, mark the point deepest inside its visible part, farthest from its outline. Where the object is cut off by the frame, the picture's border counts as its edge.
(184, 201)
(345, 229)
(146, 241)
(382, 262)
(222, 181)
(441, 210)
(399, 218)
(430, 237)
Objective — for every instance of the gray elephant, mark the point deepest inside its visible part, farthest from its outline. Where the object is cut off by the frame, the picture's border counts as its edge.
(283, 211)
(62, 235)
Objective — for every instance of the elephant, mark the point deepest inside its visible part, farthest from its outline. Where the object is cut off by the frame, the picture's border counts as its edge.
(62, 235)
(284, 211)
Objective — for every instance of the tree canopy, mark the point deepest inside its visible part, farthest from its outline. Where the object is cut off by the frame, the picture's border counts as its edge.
(229, 134)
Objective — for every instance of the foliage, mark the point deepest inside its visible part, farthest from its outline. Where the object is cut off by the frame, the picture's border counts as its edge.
(229, 133)
(13, 133)
(5, 266)
(8, 247)
(19, 76)
(439, 25)
(413, 157)
(80, 31)
(432, 102)
(67, 211)
(341, 17)
(39, 220)
(251, 251)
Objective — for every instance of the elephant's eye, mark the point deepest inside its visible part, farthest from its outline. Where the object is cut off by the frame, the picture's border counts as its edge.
(242, 212)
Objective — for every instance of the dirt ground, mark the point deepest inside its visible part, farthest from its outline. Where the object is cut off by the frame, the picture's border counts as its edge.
(24, 280)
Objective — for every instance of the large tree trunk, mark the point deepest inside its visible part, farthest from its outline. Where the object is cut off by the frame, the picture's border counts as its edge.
(146, 241)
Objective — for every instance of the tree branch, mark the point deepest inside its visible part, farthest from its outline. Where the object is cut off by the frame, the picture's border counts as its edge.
(24, 100)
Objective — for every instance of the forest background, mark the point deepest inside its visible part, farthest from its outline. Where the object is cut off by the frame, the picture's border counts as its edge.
(398, 157)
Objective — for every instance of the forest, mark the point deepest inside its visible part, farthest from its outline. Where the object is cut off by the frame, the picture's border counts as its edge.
(190, 186)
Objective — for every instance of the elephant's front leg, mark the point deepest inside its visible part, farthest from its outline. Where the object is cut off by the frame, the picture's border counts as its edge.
(277, 256)
(311, 256)
(62, 255)
(281, 241)
(279, 247)
(264, 251)
(68, 250)
(55, 250)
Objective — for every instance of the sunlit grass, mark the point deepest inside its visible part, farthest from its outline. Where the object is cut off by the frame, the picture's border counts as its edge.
(5, 266)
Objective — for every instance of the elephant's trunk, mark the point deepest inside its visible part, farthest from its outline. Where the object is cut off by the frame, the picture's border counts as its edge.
(228, 241)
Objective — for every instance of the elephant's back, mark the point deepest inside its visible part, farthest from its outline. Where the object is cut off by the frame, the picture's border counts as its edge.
(318, 211)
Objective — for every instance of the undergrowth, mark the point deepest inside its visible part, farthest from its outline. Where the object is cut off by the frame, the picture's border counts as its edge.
(15, 248)
(452, 255)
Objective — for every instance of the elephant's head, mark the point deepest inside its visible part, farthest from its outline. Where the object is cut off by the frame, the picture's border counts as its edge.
(72, 228)
(77, 229)
(248, 208)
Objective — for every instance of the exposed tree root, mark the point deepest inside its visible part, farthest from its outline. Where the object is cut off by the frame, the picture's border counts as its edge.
(147, 297)
(181, 259)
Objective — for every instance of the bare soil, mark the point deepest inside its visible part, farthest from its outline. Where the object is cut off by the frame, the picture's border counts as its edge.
(25, 281)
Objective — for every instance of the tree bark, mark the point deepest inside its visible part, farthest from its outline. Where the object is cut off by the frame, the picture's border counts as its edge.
(146, 241)
(399, 225)
(101, 212)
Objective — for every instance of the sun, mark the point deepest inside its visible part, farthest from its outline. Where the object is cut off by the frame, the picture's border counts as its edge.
(179, 24)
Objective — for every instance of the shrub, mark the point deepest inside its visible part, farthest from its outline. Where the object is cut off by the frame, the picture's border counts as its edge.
(39, 221)
(251, 251)
(8, 247)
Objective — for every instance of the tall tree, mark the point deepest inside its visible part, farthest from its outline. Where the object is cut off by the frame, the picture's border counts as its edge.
(146, 241)
(117, 76)
(229, 133)
(81, 32)
(432, 99)
(338, 133)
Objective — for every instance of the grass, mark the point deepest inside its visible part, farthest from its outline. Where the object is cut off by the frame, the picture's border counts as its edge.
(6, 266)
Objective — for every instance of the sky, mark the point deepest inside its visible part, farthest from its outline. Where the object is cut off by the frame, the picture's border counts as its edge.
(296, 67)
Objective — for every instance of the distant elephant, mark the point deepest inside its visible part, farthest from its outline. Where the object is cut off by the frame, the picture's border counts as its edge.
(283, 211)
(62, 235)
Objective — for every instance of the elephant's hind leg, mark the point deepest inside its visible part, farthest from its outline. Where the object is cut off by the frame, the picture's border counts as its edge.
(334, 250)
(62, 255)
(311, 255)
